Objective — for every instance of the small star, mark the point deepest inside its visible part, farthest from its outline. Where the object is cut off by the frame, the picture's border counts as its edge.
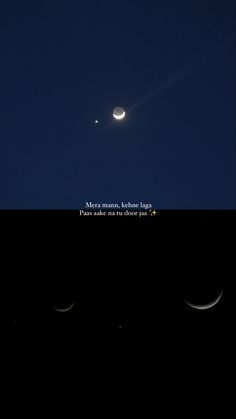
(153, 213)
(96, 121)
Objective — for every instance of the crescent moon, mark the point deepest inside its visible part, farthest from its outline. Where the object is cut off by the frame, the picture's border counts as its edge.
(205, 306)
(119, 116)
(64, 310)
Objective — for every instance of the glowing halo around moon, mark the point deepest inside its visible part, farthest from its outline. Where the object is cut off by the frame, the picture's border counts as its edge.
(119, 113)
(205, 306)
(64, 310)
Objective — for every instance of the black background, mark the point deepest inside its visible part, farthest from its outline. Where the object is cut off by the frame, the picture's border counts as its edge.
(166, 358)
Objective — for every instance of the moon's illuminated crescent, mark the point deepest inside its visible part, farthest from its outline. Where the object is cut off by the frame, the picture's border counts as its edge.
(118, 113)
(64, 310)
(119, 116)
(205, 306)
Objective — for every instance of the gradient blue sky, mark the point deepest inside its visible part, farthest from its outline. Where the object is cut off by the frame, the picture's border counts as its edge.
(64, 64)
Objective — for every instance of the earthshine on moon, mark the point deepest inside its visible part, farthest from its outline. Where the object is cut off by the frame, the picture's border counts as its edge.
(119, 113)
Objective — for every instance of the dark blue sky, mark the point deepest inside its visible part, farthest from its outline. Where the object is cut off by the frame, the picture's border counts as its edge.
(64, 64)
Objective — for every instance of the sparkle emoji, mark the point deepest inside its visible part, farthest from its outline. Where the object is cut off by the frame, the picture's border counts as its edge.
(153, 213)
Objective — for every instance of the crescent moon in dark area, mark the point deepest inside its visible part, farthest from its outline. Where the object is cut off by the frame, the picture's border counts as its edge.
(205, 306)
(64, 309)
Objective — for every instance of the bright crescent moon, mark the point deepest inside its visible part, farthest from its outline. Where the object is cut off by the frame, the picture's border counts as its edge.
(205, 306)
(64, 310)
(118, 113)
(119, 116)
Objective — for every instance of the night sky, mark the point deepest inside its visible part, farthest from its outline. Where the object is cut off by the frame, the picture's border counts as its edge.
(170, 64)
